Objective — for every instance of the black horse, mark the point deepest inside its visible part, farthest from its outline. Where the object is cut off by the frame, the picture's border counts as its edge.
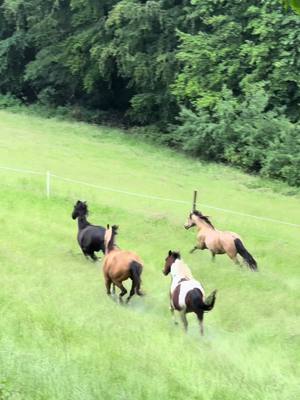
(90, 237)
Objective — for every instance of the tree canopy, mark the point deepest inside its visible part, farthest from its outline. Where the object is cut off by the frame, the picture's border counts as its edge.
(220, 79)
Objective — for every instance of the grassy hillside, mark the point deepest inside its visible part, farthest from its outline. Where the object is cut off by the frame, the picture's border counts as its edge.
(62, 338)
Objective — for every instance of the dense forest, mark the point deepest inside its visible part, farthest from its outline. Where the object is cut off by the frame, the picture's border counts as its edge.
(219, 79)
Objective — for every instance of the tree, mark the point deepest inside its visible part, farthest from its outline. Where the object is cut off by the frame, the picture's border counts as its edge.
(294, 4)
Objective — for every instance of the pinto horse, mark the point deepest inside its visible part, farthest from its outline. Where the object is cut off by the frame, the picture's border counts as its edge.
(119, 265)
(90, 237)
(186, 294)
(218, 242)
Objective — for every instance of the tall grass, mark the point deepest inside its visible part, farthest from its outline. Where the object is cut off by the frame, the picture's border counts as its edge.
(61, 337)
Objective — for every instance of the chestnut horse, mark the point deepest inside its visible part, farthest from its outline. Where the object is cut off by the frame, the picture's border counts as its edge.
(218, 242)
(186, 294)
(119, 265)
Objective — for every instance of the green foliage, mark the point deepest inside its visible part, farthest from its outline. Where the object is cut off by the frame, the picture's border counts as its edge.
(9, 101)
(239, 85)
(294, 4)
(283, 156)
(242, 134)
(240, 45)
(142, 61)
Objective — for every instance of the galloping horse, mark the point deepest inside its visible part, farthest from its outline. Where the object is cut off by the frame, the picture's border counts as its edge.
(90, 237)
(218, 242)
(186, 294)
(119, 265)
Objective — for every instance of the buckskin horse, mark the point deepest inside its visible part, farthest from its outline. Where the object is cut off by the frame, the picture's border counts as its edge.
(218, 242)
(186, 294)
(90, 237)
(119, 265)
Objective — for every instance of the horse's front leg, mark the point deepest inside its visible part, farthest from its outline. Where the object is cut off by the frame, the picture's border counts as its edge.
(193, 249)
(172, 309)
(93, 256)
(108, 283)
(199, 246)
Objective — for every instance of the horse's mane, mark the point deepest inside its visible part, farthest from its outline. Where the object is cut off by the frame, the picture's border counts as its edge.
(182, 269)
(175, 254)
(205, 218)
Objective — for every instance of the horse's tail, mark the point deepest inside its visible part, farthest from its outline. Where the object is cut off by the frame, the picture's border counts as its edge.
(249, 260)
(199, 305)
(135, 275)
(209, 302)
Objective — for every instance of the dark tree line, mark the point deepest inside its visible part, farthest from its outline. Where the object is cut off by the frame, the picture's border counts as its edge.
(219, 78)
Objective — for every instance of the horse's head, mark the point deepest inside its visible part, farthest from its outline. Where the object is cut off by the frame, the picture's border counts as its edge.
(80, 209)
(171, 258)
(109, 237)
(190, 221)
(197, 216)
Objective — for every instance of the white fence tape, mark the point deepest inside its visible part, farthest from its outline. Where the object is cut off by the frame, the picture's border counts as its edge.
(25, 171)
(145, 196)
(109, 189)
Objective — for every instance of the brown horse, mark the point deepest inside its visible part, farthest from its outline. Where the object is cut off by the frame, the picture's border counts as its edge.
(186, 294)
(119, 265)
(218, 242)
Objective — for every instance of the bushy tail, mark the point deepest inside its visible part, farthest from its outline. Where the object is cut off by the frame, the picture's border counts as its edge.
(245, 254)
(210, 301)
(200, 305)
(135, 275)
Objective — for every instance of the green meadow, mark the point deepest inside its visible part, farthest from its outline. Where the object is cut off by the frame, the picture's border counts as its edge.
(62, 338)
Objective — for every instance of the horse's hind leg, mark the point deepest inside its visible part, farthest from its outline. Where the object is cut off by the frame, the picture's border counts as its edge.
(213, 256)
(200, 319)
(89, 253)
(131, 293)
(123, 290)
(234, 258)
(85, 253)
(113, 288)
(184, 320)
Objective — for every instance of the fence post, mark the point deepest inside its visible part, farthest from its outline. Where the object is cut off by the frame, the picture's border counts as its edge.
(48, 184)
(195, 200)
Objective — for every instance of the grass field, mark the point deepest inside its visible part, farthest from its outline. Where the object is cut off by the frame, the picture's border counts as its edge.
(61, 337)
